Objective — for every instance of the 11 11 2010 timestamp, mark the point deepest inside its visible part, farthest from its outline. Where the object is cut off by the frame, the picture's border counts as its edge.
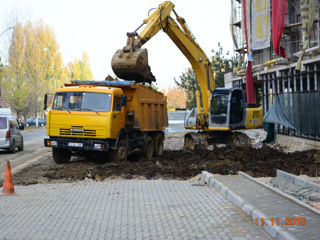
(282, 222)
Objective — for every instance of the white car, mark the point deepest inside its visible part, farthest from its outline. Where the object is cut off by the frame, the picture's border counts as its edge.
(10, 136)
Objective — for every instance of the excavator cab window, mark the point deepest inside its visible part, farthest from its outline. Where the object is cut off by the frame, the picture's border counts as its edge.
(219, 108)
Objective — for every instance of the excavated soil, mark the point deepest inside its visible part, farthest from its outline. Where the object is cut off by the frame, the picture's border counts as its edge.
(174, 164)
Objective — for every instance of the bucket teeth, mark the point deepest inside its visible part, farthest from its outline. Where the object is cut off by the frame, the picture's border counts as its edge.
(132, 65)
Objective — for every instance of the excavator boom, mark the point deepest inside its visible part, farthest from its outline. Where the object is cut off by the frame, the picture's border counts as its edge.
(131, 62)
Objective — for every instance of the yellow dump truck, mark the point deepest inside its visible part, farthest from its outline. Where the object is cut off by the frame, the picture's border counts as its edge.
(118, 118)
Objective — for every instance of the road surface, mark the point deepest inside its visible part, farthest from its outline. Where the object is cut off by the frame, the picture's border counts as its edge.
(33, 150)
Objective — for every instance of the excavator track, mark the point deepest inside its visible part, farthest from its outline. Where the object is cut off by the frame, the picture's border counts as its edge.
(197, 141)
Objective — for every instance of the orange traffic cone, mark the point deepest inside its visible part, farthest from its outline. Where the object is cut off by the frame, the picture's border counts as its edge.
(8, 188)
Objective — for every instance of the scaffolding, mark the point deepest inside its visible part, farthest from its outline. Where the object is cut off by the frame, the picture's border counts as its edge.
(274, 76)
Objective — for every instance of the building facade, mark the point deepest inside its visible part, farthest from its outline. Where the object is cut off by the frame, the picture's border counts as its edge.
(274, 75)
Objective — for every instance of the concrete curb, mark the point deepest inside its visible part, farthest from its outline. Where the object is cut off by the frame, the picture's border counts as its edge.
(274, 231)
(297, 180)
(291, 198)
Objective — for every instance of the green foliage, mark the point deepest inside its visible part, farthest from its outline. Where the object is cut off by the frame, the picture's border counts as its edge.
(188, 83)
(221, 64)
(1, 65)
(35, 67)
(80, 69)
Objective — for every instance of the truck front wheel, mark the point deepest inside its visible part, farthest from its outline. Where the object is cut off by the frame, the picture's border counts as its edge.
(61, 155)
(122, 151)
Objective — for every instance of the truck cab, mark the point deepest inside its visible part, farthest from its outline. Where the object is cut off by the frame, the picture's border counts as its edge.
(86, 112)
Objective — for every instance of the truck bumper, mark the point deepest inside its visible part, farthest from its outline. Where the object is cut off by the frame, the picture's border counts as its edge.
(78, 144)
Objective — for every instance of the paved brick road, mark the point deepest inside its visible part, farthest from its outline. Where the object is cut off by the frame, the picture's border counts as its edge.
(275, 206)
(126, 209)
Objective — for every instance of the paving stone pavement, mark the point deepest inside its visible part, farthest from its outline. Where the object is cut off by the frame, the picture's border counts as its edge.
(123, 209)
(275, 206)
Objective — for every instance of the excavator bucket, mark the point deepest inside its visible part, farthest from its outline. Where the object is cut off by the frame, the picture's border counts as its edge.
(132, 65)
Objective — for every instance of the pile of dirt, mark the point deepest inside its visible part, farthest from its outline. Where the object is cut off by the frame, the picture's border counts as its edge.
(174, 165)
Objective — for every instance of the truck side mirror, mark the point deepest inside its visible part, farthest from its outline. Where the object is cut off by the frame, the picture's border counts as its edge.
(123, 101)
(48, 97)
(45, 102)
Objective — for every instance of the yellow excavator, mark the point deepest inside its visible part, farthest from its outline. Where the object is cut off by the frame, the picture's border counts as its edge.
(218, 111)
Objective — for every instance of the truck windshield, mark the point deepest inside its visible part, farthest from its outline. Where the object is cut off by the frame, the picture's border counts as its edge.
(82, 101)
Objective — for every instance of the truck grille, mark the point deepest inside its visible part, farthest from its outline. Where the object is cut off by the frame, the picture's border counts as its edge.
(83, 133)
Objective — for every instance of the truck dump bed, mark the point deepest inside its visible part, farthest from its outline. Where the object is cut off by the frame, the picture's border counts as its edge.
(146, 108)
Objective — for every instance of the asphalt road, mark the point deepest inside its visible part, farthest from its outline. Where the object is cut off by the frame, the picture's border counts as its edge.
(33, 150)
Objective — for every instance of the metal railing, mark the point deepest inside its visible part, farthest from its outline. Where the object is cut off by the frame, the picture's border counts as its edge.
(291, 81)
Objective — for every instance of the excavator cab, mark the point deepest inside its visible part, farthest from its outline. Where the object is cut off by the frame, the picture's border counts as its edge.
(227, 111)
(227, 108)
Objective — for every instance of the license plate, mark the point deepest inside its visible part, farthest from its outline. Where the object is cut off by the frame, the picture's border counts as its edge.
(255, 121)
(72, 144)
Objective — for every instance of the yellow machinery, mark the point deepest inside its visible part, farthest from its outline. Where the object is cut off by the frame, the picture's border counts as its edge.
(218, 110)
(116, 118)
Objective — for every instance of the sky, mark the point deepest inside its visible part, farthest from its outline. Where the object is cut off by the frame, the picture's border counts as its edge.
(99, 28)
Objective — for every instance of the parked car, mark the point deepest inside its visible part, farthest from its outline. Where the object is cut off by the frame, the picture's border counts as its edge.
(10, 136)
(32, 122)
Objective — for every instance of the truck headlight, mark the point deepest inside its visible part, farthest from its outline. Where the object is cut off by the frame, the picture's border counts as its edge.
(97, 145)
(53, 143)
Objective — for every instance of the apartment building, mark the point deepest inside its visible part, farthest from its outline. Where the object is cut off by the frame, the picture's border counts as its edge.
(283, 44)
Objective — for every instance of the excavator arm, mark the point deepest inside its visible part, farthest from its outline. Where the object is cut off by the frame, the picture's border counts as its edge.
(131, 62)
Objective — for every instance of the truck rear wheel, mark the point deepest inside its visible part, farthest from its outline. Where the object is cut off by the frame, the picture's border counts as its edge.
(121, 153)
(61, 155)
(149, 148)
(158, 145)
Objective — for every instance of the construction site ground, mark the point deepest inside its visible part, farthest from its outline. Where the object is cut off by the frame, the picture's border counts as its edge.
(174, 164)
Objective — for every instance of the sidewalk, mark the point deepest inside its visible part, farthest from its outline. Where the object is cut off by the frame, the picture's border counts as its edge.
(263, 203)
(124, 209)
